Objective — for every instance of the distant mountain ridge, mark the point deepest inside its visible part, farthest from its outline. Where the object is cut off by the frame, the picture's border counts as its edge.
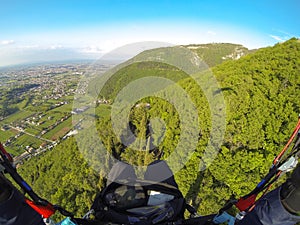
(151, 63)
(212, 54)
(216, 53)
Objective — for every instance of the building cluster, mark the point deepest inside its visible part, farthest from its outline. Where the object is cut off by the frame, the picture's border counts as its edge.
(45, 81)
(43, 88)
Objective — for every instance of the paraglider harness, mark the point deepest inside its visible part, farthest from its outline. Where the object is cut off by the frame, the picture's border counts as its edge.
(140, 202)
(136, 202)
(42, 206)
(284, 162)
(132, 202)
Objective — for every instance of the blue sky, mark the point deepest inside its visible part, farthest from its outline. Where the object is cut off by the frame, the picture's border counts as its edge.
(32, 30)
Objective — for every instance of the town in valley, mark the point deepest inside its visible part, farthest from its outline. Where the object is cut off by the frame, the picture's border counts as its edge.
(36, 105)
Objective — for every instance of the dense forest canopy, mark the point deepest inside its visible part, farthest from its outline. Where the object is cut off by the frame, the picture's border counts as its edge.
(261, 92)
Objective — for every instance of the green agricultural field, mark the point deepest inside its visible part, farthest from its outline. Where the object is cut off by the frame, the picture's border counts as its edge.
(28, 140)
(35, 130)
(67, 108)
(14, 150)
(52, 101)
(60, 130)
(103, 111)
(20, 115)
(69, 99)
(56, 115)
(5, 135)
(46, 124)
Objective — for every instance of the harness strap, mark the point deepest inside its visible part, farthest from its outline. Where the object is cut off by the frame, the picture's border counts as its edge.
(295, 132)
(224, 218)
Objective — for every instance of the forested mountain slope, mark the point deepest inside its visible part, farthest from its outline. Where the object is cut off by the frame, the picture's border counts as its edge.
(261, 92)
(210, 54)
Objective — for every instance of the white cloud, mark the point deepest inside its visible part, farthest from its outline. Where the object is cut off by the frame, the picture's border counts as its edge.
(282, 35)
(211, 32)
(286, 34)
(40, 47)
(28, 46)
(54, 47)
(7, 42)
(92, 50)
(277, 38)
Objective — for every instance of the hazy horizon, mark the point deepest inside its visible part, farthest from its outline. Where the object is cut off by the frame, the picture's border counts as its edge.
(34, 31)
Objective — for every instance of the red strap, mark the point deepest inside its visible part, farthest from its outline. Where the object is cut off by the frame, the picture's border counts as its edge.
(7, 155)
(45, 211)
(244, 204)
(296, 130)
